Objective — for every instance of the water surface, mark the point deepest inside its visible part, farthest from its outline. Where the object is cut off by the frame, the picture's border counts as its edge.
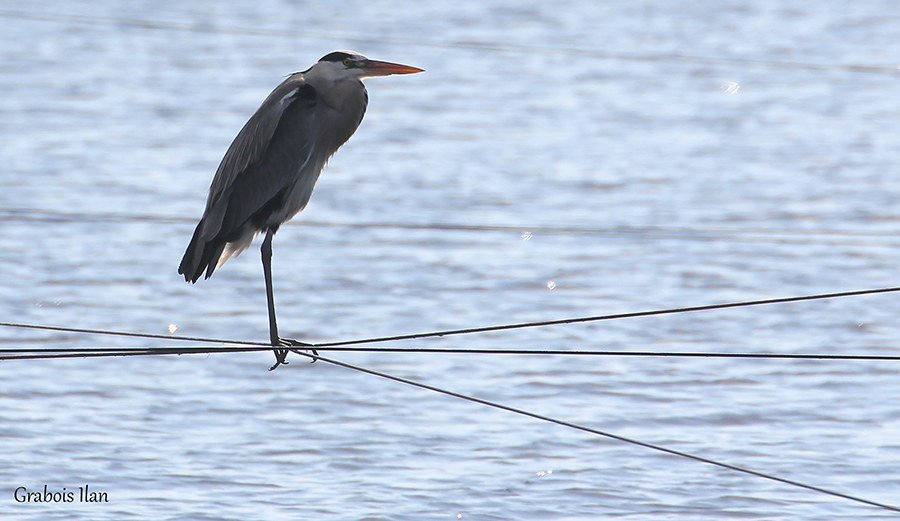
(620, 118)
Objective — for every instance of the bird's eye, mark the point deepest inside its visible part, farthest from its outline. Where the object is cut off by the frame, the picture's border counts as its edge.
(348, 62)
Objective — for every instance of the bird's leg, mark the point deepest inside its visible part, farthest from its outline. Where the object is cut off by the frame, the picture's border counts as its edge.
(280, 344)
(266, 251)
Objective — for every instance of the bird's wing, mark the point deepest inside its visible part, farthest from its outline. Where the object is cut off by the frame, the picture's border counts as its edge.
(247, 164)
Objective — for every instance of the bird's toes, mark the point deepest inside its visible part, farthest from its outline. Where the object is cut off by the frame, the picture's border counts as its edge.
(289, 342)
(280, 358)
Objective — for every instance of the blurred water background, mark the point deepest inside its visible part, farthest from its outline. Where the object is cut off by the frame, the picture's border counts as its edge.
(715, 152)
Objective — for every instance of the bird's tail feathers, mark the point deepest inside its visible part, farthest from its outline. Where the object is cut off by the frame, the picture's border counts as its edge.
(207, 255)
(200, 256)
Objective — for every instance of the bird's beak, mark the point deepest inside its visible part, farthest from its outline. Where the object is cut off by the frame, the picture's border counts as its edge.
(377, 68)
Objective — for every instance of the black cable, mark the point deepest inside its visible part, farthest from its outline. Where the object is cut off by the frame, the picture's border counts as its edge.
(93, 352)
(600, 433)
(486, 329)
(129, 334)
(100, 352)
(89, 352)
(598, 318)
(581, 352)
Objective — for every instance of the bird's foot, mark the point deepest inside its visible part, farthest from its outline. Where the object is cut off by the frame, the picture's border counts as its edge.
(281, 353)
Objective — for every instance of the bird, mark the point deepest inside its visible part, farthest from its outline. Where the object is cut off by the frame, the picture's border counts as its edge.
(268, 173)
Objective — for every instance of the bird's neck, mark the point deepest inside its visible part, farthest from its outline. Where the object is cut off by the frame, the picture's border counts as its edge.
(336, 92)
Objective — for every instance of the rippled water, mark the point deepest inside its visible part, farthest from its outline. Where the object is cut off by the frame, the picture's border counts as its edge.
(722, 151)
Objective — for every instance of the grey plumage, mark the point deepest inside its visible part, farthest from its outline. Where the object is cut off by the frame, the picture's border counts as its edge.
(270, 170)
(268, 173)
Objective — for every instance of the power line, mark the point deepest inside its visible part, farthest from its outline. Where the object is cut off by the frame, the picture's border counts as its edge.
(598, 432)
(65, 329)
(597, 318)
(582, 352)
(91, 352)
(18, 353)
(464, 45)
(48, 353)
(474, 330)
(94, 352)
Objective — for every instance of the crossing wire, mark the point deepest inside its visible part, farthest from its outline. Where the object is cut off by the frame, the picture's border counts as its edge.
(111, 352)
(82, 352)
(658, 312)
(21, 353)
(475, 330)
(658, 448)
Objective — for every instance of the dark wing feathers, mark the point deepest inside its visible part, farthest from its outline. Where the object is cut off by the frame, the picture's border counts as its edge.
(289, 149)
(261, 162)
(250, 149)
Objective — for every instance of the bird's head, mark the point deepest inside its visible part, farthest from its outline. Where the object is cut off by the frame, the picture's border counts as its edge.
(348, 64)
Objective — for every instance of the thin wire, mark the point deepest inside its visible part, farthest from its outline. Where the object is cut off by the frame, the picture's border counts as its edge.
(598, 432)
(486, 329)
(659, 448)
(827, 237)
(582, 352)
(90, 352)
(466, 45)
(38, 354)
(129, 334)
(93, 352)
(598, 318)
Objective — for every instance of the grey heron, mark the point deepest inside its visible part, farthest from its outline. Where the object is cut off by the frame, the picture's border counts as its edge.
(268, 173)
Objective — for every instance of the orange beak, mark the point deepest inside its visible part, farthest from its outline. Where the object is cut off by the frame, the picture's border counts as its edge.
(377, 68)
